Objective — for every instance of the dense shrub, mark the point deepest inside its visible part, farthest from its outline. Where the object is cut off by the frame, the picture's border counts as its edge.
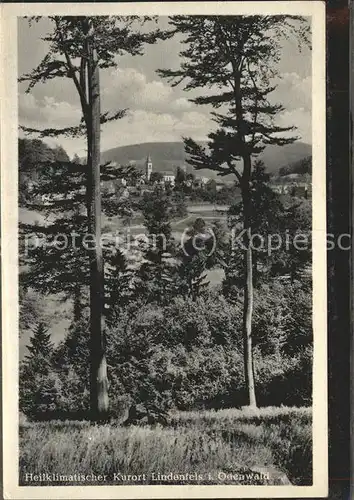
(185, 351)
(39, 393)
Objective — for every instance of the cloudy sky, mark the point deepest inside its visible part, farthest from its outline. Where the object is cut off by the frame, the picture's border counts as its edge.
(157, 112)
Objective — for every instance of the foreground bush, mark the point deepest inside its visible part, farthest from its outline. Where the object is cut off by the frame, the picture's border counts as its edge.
(185, 355)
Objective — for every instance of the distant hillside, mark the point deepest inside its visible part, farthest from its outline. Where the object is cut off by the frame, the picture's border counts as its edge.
(167, 156)
(276, 157)
(303, 166)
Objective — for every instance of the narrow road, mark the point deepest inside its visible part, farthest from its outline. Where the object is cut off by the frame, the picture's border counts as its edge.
(176, 223)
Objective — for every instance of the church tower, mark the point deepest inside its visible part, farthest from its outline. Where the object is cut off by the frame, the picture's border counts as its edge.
(148, 168)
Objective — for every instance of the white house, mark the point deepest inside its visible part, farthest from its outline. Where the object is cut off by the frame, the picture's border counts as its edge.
(169, 178)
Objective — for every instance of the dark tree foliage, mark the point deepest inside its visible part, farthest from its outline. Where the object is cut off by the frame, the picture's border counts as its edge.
(31, 154)
(293, 260)
(37, 390)
(186, 354)
(156, 177)
(180, 178)
(55, 251)
(204, 248)
(266, 215)
(192, 278)
(40, 349)
(276, 222)
(156, 273)
(179, 204)
(52, 255)
(303, 166)
(119, 283)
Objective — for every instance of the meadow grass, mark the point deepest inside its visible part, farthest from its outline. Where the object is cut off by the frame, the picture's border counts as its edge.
(200, 442)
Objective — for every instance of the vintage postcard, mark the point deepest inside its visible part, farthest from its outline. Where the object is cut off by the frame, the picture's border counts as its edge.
(164, 250)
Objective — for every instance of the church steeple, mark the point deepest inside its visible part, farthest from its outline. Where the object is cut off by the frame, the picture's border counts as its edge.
(148, 167)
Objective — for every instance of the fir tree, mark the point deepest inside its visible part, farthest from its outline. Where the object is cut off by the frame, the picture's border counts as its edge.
(179, 204)
(266, 214)
(120, 283)
(156, 273)
(38, 387)
(180, 178)
(193, 258)
(192, 276)
(40, 350)
(293, 259)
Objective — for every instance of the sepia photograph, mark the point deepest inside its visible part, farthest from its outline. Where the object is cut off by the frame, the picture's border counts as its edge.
(166, 280)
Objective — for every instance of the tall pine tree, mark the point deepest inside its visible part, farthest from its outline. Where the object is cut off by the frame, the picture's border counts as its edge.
(79, 47)
(235, 58)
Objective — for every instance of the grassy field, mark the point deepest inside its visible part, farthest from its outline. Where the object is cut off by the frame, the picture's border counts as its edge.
(208, 211)
(216, 447)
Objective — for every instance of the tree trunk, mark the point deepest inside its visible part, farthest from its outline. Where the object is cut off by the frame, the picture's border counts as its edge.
(248, 286)
(98, 365)
(77, 303)
(255, 269)
(248, 282)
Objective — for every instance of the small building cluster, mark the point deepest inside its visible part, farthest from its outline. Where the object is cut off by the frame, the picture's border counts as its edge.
(300, 189)
(146, 176)
(166, 177)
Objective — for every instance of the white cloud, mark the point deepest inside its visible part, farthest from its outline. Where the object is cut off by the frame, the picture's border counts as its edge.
(301, 119)
(147, 126)
(47, 112)
(140, 125)
(157, 112)
(294, 91)
(182, 104)
(129, 88)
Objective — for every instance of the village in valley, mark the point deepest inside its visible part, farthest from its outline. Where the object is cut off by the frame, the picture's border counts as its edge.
(146, 178)
(291, 183)
(198, 187)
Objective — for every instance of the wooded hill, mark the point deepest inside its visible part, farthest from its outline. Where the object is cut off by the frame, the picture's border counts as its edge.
(168, 155)
(303, 166)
